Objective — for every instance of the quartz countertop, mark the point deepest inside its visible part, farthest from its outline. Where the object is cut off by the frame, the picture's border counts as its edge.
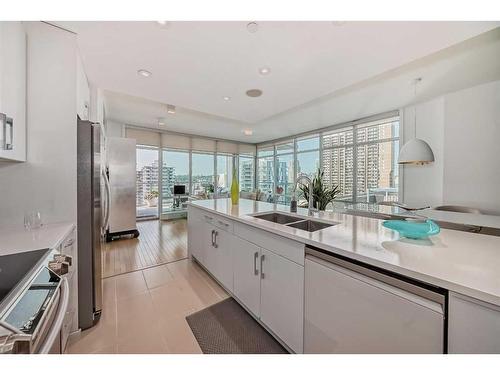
(16, 239)
(462, 262)
(481, 220)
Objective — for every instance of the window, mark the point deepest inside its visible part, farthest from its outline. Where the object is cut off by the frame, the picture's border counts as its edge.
(284, 177)
(202, 181)
(361, 159)
(308, 156)
(246, 173)
(376, 161)
(338, 161)
(175, 172)
(265, 177)
(224, 174)
(147, 172)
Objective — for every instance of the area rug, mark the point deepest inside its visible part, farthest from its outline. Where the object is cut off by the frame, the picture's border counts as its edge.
(226, 328)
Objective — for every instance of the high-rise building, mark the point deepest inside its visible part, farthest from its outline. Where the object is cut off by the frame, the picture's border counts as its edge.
(246, 175)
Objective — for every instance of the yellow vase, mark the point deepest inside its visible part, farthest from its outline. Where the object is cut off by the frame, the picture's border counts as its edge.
(235, 189)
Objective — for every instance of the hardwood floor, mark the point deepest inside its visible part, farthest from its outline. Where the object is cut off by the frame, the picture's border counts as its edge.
(159, 242)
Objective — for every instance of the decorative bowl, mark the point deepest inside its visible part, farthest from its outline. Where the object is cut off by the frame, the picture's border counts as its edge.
(412, 229)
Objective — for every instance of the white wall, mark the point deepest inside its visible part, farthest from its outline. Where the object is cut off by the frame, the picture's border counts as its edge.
(47, 181)
(423, 185)
(472, 148)
(82, 89)
(463, 130)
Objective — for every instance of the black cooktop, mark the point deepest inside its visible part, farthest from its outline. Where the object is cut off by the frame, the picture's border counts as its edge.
(14, 267)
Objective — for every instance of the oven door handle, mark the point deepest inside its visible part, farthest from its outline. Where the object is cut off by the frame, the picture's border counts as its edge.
(59, 318)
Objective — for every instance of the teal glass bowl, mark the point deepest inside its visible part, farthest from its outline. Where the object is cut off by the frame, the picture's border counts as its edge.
(412, 229)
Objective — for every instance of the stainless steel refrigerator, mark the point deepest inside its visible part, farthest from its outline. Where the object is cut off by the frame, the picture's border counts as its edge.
(92, 213)
(121, 163)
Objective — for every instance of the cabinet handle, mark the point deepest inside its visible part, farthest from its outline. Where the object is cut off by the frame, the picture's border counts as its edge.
(262, 257)
(255, 256)
(222, 223)
(213, 231)
(215, 242)
(69, 243)
(208, 218)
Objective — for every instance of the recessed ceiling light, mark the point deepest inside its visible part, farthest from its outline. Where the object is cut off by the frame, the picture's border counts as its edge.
(226, 98)
(247, 131)
(254, 93)
(163, 24)
(252, 27)
(338, 23)
(170, 108)
(161, 121)
(144, 73)
(265, 70)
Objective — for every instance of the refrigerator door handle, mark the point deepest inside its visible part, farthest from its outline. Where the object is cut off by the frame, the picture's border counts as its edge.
(106, 207)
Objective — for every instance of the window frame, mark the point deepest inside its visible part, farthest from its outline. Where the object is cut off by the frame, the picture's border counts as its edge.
(392, 116)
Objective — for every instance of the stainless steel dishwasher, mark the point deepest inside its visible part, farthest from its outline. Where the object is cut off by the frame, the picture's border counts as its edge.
(352, 308)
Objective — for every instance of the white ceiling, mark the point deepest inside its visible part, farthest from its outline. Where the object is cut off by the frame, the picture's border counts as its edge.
(196, 64)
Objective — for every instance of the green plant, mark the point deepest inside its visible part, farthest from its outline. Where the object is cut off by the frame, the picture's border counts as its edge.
(322, 194)
(153, 194)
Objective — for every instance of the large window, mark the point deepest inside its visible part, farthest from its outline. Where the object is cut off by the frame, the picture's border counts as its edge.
(338, 161)
(265, 174)
(175, 172)
(246, 173)
(224, 174)
(285, 176)
(147, 172)
(202, 181)
(361, 159)
(377, 151)
(308, 156)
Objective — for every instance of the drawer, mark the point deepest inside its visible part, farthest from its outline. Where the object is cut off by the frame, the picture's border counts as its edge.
(218, 221)
(287, 248)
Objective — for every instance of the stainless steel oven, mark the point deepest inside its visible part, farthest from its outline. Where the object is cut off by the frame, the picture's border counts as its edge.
(34, 297)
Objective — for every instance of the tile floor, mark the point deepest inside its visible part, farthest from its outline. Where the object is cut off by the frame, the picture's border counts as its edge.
(144, 311)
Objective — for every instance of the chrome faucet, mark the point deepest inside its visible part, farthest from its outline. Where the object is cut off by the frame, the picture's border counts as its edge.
(309, 183)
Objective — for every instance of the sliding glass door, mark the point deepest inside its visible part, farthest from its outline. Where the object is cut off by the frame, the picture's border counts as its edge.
(175, 173)
(147, 172)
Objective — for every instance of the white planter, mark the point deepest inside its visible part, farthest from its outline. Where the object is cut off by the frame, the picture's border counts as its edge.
(152, 202)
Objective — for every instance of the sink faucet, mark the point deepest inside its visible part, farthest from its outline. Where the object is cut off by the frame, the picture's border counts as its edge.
(309, 183)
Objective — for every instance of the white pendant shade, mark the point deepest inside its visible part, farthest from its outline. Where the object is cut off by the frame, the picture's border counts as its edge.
(416, 151)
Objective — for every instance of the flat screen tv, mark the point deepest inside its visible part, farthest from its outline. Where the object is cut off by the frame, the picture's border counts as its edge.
(179, 189)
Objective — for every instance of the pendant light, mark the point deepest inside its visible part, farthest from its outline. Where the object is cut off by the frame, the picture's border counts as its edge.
(416, 151)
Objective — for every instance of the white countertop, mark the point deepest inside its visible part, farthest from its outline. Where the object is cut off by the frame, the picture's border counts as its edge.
(466, 263)
(481, 220)
(16, 239)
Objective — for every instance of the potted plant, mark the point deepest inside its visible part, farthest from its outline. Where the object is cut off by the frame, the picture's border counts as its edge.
(152, 198)
(322, 194)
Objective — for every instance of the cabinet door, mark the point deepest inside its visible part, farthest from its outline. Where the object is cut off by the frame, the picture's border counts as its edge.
(13, 87)
(474, 326)
(346, 312)
(246, 274)
(197, 236)
(223, 259)
(282, 298)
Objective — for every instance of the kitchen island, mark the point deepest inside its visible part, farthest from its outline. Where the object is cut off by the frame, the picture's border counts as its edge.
(460, 265)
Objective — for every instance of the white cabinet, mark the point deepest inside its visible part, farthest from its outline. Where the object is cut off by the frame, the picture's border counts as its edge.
(349, 312)
(473, 326)
(197, 235)
(246, 258)
(282, 298)
(70, 322)
(12, 91)
(268, 284)
(218, 256)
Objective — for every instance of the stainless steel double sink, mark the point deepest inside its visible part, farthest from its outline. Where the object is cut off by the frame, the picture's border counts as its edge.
(294, 221)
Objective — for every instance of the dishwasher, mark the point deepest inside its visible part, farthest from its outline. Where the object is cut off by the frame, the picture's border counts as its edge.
(355, 308)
